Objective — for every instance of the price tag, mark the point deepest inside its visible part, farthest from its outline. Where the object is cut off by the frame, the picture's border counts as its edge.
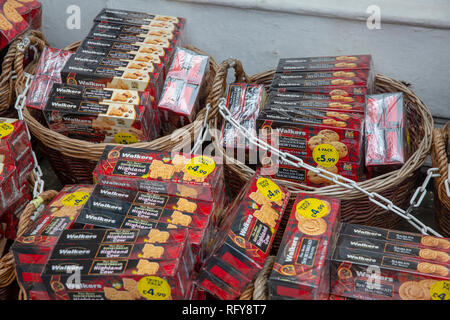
(440, 290)
(5, 129)
(75, 199)
(269, 189)
(325, 155)
(312, 208)
(125, 138)
(200, 166)
(154, 288)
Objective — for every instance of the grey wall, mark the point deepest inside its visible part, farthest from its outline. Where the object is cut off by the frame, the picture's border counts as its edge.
(417, 55)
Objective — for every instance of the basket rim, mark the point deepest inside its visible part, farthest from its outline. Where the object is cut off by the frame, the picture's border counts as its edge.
(92, 151)
(377, 184)
(440, 160)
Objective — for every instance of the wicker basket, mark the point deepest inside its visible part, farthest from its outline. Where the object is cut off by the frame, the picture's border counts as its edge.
(13, 65)
(439, 158)
(74, 160)
(396, 186)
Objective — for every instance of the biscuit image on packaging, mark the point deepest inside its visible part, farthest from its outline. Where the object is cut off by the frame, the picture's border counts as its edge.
(350, 58)
(132, 75)
(113, 294)
(411, 290)
(172, 226)
(312, 227)
(259, 198)
(186, 206)
(136, 65)
(63, 212)
(180, 219)
(11, 13)
(5, 25)
(122, 96)
(443, 244)
(148, 50)
(318, 140)
(130, 285)
(179, 162)
(188, 177)
(344, 273)
(316, 179)
(341, 148)
(441, 270)
(160, 170)
(145, 267)
(427, 284)
(338, 115)
(151, 251)
(430, 268)
(428, 254)
(145, 58)
(430, 241)
(187, 192)
(267, 215)
(339, 92)
(442, 257)
(329, 134)
(339, 105)
(157, 236)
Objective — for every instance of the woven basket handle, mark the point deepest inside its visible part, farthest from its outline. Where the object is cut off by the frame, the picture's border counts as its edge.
(220, 81)
(7, 272)
(439, 156)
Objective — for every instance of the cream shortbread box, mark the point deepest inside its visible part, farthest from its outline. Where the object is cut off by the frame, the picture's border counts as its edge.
(99, 122)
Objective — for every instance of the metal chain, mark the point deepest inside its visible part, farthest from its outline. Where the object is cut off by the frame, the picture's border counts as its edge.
(39, 185)
(422, 190)
(337, 179)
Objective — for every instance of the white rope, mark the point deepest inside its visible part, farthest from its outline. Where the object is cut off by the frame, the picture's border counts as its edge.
(340, 180)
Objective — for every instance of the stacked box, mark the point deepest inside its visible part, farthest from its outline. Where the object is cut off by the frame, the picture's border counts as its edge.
(15, 148)
(116, 264)
(386, 135)
(245, 238)
(32, 249)
(245, 101)
(110, 207)
(373, 263)
(315, 111)
(99, 120)
(161, 172)
(301, 269)
(48, 72)
(179, 102)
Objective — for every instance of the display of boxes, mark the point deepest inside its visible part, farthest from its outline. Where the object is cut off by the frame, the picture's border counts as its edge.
(244, 239)
(301, 269)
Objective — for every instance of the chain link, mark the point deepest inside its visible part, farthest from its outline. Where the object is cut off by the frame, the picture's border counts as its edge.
(39, 185)
(340, 180)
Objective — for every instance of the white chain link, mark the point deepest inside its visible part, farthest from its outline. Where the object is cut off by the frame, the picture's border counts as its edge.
(39, 185)
(340, 180)
(422, 190)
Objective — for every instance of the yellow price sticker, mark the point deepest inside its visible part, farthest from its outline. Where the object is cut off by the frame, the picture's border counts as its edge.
(125, 138)
(75, 199)
(440, 290)
(269, 189)
(312, 208)
(154, 288)
(5, 129)
(200, 167)
(325, 155)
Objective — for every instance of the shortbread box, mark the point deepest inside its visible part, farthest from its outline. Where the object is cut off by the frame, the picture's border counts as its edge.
(14, 141)
(129, 202)
(244, 101)
(369, 275)
(141, 19)
(180, 100)
(393, 248)
(120, 50)
(32, 249)
(86, 72)
(337, 139)
(175, 174)
(329, 63)
(12, 24)
(248, 231)
(337, 90)
(11, 215)
(301, 267)
(340, 97)
(360, 78)
(100, 122)
(401, 237)
(278, 169)
(129, 34)
(318, 104)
